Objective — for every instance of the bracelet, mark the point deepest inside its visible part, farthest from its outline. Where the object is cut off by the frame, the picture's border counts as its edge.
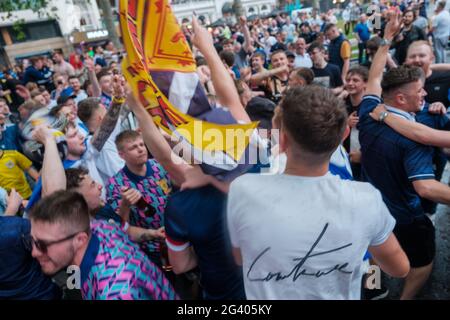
(118, 100)
(383, 116)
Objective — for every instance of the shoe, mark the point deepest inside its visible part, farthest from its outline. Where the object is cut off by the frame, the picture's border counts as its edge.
(375, 294)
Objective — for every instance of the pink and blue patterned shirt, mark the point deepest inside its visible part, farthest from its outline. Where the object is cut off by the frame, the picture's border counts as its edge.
(114, 268)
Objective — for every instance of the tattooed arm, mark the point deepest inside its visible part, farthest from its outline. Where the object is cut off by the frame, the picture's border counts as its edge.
(109, 122)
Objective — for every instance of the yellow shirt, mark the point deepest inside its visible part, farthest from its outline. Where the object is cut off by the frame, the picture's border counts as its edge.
(12, 167)
(346, 50)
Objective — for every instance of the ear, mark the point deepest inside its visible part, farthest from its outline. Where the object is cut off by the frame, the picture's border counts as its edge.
(284, 141)
(121, 155)
(346, 132)
(80, 240)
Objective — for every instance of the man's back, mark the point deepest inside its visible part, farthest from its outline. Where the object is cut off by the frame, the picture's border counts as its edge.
(304, 237)
(441, 23)
(197, 217)
(391, 162)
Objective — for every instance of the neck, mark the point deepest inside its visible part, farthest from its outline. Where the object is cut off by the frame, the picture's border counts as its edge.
(428, 72)
(302, 166)
(356, 98)
(139, 170)
(79, 255)
(73, 157)
(320, 64)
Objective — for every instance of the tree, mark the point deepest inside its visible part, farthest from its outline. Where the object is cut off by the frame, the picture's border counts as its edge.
(105, 5)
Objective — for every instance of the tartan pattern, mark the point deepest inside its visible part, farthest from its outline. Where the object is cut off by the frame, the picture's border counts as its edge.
(122, 271)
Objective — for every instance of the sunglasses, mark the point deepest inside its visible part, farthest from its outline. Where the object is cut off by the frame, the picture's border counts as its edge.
(42, 245)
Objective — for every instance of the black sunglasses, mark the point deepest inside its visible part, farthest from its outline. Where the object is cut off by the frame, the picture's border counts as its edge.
(42, 245)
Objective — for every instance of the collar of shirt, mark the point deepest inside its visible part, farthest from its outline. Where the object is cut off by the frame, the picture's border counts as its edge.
(89, 257)
(136, 178)
(401, 113)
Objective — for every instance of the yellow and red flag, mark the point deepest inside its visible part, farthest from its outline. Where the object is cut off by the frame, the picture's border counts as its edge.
(161, 70)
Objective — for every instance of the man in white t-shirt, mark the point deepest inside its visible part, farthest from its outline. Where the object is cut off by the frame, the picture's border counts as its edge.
(302, 58)
(303, 234)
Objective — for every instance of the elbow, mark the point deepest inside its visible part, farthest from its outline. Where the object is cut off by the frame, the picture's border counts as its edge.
(402, 270)
(424, 190)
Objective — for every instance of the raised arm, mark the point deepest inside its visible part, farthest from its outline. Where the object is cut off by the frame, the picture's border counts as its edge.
(90, 66)
(223, 83)
(259, 77)
(247, 37)
(109, 122)
(52, 173)
(158, 146)
(379, 61)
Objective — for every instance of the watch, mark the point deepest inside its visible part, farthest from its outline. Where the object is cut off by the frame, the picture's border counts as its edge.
(385, 42)
(383, 116)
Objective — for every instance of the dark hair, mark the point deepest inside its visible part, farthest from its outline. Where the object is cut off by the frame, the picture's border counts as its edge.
(74, 176)
(304, 73)
(395, 78)
(86, 108)
(227, 57)
(314, 118)
(373, 44)
(361, 71)
(103, 73)
(316, 45)
(410, 10)
(277, 52)
(227, 41)
(126, 135)
(73, 77)
(328, 27)
(200, 61)
(66, 207)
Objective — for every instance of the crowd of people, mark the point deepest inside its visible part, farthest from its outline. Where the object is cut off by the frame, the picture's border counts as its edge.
(88, 180)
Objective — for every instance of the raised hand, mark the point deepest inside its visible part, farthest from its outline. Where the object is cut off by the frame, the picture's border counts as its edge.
(394, 24)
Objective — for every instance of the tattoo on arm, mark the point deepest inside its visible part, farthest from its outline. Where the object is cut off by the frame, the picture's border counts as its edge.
(107, 127)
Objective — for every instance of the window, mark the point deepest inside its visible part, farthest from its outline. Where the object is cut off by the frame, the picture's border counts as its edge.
(34, 31)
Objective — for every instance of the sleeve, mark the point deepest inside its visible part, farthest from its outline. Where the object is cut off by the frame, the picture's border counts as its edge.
(384, 223)
(233, 213)
(337, 78)
(346, 50)
(176, 228)
(368, 103)
(418, 162)
(113, 194)
(23, 162)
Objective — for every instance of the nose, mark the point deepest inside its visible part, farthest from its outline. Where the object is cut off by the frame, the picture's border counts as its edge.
(35, 253)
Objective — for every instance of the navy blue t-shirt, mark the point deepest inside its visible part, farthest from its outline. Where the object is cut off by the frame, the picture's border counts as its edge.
(21, 277)
(198, 217)
(391, 162)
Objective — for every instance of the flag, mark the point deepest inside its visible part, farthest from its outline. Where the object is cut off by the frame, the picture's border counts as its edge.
(161, 70)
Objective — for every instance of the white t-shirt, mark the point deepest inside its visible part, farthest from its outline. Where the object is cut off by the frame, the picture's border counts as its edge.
(441, 23)
(303, 61)
(305, 237)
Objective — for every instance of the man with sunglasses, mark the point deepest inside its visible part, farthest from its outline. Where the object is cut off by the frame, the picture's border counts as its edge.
(21, 277)
(62, 235)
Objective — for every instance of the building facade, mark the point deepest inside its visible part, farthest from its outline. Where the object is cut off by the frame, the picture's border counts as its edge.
(55, 28)
(211, 10)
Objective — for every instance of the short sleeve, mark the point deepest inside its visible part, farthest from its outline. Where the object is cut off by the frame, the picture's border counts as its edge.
(346, 50)
(384, 224)
(418, 162)
(233, 213)
(175, 226)
(367, 105)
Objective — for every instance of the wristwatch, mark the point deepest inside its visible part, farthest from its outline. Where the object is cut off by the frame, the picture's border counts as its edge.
(383, 116)
(385, 42)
